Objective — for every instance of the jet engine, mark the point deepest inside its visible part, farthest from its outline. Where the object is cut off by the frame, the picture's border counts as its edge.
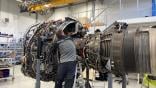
(46, 32)
(120, 49)
(130, 48)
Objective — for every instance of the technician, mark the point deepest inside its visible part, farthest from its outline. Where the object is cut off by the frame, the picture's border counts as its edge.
(67, 61)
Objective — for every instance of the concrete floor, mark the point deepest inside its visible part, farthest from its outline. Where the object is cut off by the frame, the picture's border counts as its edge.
(21, 81)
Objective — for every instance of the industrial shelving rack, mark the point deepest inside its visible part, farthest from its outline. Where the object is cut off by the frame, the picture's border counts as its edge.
(11, 76)
(7, 63)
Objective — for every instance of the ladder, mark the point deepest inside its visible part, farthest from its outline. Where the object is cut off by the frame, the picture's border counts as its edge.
(79, 82)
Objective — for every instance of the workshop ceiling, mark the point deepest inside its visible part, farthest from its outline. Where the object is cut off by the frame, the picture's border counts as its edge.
(41, 5)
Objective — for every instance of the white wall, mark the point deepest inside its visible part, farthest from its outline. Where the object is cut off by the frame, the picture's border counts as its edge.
(75, 11)
(18, 22)
(114, 11)
(140, 20)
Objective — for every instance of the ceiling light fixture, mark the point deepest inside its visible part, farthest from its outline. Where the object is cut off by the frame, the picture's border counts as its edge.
(47, 5)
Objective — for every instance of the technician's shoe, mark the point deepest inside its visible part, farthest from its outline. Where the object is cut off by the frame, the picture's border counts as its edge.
(101, 79)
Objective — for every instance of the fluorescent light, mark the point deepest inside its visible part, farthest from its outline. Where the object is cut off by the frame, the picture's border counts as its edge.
(47, 5)
(19, 0)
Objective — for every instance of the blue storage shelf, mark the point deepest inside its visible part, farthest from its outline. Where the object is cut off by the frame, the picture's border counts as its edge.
(153, 7)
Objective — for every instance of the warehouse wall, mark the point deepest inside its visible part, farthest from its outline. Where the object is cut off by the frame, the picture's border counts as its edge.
(18, 22)
(114, 10)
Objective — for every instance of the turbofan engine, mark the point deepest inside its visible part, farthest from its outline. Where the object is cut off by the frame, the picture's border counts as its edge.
(120, 49)
(130, 48)
(46, 32)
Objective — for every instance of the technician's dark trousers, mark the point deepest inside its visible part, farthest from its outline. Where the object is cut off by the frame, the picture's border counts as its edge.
(65, 73)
